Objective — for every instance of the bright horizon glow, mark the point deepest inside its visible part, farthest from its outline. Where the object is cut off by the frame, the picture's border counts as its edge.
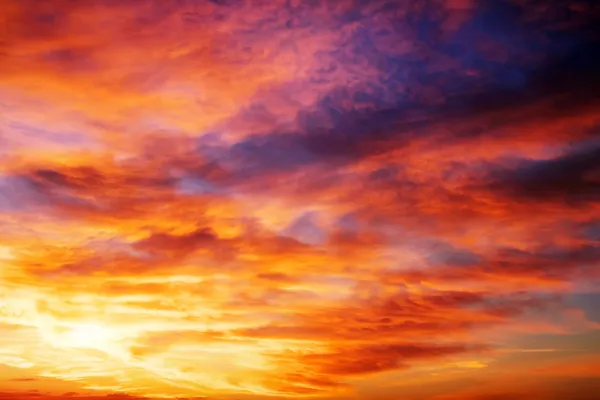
(88, 335)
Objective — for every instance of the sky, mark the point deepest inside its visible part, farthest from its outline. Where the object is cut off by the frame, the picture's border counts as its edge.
(298, 199)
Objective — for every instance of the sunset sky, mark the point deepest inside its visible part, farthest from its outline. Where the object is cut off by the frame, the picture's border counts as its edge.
(294, 199)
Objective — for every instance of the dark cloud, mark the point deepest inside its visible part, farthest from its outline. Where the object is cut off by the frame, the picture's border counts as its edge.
(178, 244)
(514, 66)
(591, 231)
(378, 358)
(569, 178)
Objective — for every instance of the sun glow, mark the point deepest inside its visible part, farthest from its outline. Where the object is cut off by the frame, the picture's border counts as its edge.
(89, 335)
(86, 336)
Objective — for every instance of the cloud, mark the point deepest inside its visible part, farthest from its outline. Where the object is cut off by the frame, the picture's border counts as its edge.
(372, 359)
(295, 198)
(568, 178)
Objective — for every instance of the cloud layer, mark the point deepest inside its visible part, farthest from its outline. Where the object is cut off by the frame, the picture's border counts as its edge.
(350, 199)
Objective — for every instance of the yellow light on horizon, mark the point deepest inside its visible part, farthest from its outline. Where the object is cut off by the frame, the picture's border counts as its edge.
(88, 335)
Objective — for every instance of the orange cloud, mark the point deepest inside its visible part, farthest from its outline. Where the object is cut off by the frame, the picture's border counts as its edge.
(252, 199)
